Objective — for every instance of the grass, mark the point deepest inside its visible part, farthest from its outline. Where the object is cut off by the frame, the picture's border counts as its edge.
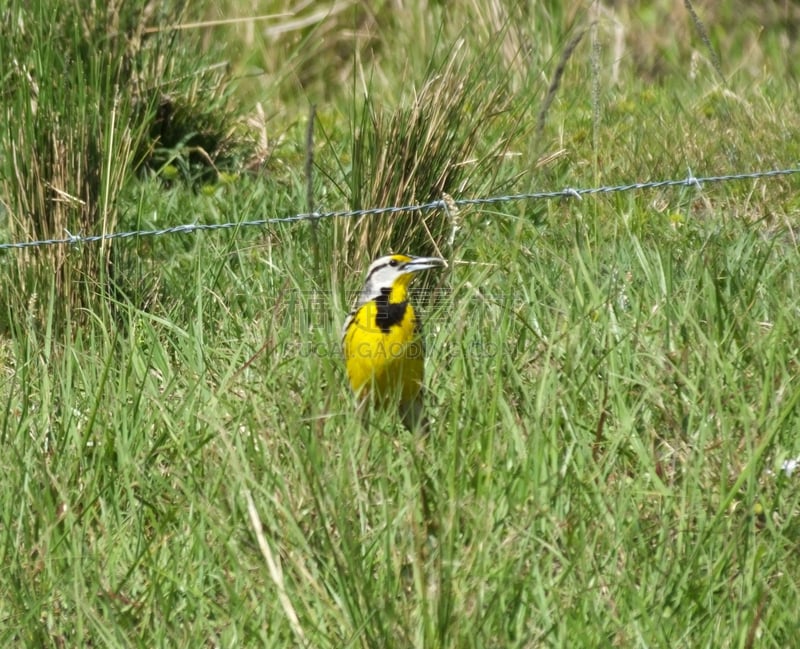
(612, 381)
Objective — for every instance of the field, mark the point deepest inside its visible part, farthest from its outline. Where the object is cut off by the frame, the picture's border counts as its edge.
(612, 377)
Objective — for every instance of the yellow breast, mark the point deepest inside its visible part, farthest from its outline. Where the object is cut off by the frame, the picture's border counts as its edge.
(386, 364)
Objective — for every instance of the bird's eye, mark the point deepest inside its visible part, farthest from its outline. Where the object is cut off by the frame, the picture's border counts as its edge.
(393, 263)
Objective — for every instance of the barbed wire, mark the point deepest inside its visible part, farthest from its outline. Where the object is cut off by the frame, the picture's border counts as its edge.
(186, 228)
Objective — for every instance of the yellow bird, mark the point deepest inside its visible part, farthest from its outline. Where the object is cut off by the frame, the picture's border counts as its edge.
(381, 339)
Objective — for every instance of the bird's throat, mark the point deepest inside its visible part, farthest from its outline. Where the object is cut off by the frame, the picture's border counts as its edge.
(389, 312)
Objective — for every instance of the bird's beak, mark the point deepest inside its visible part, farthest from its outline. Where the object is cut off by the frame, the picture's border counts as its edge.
(423, 263)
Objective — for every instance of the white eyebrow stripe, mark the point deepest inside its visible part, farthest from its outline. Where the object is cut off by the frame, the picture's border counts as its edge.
(375, 270)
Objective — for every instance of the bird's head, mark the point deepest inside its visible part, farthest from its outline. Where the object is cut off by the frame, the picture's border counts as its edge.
(391, 274)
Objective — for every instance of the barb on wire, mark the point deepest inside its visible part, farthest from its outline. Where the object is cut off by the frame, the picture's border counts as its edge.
(692, 181)
(187, 228)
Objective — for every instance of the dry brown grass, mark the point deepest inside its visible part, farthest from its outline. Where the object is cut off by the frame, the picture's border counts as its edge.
(417, 152)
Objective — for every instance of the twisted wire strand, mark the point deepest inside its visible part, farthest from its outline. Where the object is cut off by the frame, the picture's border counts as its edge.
(187, 228)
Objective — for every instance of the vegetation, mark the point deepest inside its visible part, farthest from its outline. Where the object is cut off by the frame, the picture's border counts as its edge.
(612, 381)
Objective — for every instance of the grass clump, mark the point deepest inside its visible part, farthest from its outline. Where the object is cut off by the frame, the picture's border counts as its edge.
(87, 107)
(418, 153)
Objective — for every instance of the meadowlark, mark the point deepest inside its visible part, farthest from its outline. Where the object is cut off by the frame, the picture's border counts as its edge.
(381, 339)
